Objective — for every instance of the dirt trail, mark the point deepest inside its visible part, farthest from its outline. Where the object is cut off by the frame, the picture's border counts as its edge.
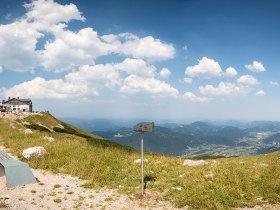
(65, 192)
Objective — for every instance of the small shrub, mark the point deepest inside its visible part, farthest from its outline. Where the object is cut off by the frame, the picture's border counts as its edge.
(88, 185)
(52, 194)
(37, 127)
(3, 205)
(81, 198)
(57, 200)
(66, 129)
(109, 199)
(57, 186)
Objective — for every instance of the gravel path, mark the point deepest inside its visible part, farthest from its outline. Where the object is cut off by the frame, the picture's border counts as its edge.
(65, 192)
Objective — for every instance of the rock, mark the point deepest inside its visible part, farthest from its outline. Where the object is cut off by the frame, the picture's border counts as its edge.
(50, 139)
(34, 152)
(176, 188)
(139, 161)
(260, 199)
(188, 162)
(264, 164)
(214, 162)
(209, 175)
(28, 131)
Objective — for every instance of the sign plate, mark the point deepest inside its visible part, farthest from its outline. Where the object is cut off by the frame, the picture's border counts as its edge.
(144, 127)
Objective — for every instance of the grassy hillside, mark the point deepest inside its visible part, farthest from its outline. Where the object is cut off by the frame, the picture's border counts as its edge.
(221, 184)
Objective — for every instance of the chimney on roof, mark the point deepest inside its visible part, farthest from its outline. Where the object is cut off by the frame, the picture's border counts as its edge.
(3, 101)
(17, 97)
(9, 98)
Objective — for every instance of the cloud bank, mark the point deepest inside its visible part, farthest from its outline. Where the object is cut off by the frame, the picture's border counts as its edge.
(41, 41)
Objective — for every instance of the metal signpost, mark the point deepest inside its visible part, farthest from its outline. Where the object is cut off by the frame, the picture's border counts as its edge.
(141, 128)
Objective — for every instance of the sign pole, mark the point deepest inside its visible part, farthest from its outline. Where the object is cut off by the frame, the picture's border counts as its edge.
(142, 128)
(142, 161)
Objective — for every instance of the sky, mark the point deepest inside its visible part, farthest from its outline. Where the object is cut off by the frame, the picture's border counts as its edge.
(171, 60)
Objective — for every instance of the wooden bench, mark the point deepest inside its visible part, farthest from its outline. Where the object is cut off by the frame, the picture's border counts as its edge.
(16, 172)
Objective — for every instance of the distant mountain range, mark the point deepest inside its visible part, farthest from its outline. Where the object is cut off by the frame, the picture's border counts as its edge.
(175, 139)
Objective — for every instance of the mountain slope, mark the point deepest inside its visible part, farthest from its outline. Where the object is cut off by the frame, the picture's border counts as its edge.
(174, 141)
(163, 140)
(273, 139)
(221, 184)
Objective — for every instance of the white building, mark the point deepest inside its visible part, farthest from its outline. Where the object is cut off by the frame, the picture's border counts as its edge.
(17, 105)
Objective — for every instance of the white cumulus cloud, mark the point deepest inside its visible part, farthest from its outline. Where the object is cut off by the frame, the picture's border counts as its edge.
(147, 48)
(137, 67)
(135, 84)
(50, 12)
(260, 93)
(231, 72)
(71, 49)
(192, 97)
(41, 88)
(164, 73)
(242, 87)
(188, 80)
(247, 80)
(274, 83)
(18, 40)
(224, 89)
(256, 66)
(101, 75)
(206, 68)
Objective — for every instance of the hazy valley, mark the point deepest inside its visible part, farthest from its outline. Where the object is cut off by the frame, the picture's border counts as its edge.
(228, 138)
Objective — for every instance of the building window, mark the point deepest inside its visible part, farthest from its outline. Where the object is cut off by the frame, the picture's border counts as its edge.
(14, 109)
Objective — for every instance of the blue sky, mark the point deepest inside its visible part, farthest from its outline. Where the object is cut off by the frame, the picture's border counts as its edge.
(177, 60)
